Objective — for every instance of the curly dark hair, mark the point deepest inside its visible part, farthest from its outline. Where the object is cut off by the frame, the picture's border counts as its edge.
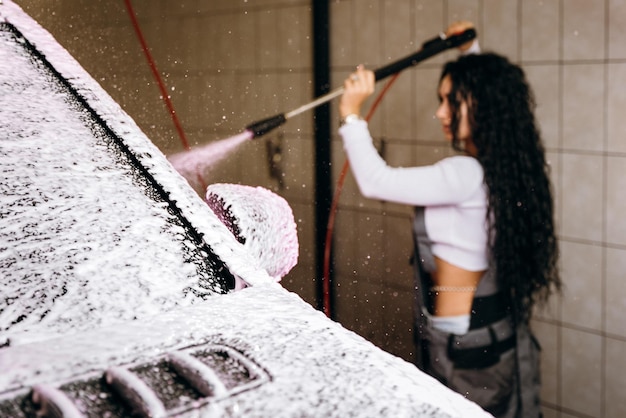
(501, 106)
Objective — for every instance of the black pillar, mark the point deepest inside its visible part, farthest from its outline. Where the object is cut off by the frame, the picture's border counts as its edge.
(323, 177)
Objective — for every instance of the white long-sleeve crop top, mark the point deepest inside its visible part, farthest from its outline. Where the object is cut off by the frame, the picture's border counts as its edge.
(451, 191)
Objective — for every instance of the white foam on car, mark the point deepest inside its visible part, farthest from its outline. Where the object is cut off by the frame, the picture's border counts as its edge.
(265, 221)
(84, 238)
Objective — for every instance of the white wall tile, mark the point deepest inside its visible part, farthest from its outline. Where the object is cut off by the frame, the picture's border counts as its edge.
(397, 108)
(616, 107)
(344, 252)
(429, 22)
(204, 56)
(294, 37)
(583, 30)
(615, 369)
(370, 246)
(399, 153)
(397, 316)
(583, 107)
(427, 126)
(268, 38)
(617, 29)
(463, 10)
(368, 32)
(302, 278)
(616, 201)
(582, 197)
(540, 30)
(583, 285)
(581, 373)
(299, 168)
(367, 316)
(397, 30)
(499, 32)
(398, 249)
(547, 335)
(615, 305)
(343, 35)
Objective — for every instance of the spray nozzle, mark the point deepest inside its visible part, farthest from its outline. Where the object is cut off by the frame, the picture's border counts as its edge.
(262, 127)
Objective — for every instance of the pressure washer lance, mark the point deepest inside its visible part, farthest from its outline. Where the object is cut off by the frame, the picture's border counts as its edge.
(429, 48)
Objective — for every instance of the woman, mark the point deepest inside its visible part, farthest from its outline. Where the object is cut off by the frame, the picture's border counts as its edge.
(484, 231)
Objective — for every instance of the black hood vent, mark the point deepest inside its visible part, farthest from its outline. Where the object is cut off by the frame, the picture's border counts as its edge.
(167, 386)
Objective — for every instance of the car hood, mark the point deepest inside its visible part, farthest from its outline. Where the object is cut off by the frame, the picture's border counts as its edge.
(302, 363)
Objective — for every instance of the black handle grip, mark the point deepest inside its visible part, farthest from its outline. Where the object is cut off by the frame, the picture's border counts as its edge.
(430, 48)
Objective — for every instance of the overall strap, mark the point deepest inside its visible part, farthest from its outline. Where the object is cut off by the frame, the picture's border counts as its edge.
(528, 373)
(420, 277)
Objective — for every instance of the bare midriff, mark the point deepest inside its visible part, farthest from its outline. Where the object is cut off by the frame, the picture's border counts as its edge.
(456, 296)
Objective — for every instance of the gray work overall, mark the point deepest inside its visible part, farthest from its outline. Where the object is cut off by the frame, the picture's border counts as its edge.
(496, 364)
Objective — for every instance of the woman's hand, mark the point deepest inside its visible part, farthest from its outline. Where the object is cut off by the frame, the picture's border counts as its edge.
(357, 88)
(460, 27)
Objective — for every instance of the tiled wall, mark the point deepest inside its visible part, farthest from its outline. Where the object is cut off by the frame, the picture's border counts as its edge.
(227, 64)
(574, 53)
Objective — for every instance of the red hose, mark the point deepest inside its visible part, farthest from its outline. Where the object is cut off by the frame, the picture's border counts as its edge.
(157, 76)
(335, 203)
